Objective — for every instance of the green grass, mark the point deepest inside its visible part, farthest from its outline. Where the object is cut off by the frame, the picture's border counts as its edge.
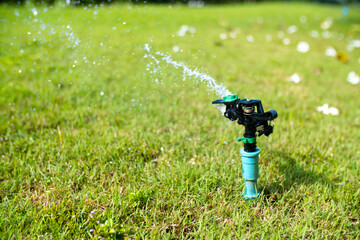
(157, 160)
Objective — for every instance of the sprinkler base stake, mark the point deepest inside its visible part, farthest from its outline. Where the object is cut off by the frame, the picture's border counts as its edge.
(250, 170)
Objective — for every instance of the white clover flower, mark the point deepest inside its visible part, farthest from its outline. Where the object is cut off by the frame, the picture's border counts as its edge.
(268, 38)
(325, 109)
(223, 36)
(303, 47)
(176, 48)
(326, 24)
(356, 43)
(192, 30)
(184, 29)
(294, 78)
(233, 35)
(353, 44)
(250, 38)
(286, 41)
(314, 34)
(330, 51)
(326, 34)
(292, 29)
(353, 78)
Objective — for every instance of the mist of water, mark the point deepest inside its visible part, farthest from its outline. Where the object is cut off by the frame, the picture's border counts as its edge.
(218, 88)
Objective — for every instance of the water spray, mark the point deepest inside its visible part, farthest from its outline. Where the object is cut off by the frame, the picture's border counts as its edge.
(250, 113)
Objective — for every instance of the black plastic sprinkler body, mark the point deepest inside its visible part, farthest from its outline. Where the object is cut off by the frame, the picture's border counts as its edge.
(250, 113)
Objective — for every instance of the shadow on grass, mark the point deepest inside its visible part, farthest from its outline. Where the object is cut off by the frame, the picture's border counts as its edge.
(294, 175)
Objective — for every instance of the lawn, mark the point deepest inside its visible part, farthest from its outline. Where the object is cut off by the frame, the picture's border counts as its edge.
(98, 141)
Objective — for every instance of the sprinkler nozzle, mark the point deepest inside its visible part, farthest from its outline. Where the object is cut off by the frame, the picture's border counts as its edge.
(250, 113)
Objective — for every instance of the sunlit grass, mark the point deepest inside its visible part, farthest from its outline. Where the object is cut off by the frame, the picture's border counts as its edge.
(93, 143)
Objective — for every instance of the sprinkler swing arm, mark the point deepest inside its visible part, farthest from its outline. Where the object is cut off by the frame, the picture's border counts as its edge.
(249, 113)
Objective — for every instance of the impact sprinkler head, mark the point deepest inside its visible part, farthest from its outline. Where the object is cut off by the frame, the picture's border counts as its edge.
(250, 113)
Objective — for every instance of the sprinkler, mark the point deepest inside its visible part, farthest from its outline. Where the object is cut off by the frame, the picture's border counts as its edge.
(250, 113)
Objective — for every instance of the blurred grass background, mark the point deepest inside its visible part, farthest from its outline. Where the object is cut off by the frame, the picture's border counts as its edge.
(94, 144)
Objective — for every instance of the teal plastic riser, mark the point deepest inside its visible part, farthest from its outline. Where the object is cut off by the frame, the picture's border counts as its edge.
(250, 169)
